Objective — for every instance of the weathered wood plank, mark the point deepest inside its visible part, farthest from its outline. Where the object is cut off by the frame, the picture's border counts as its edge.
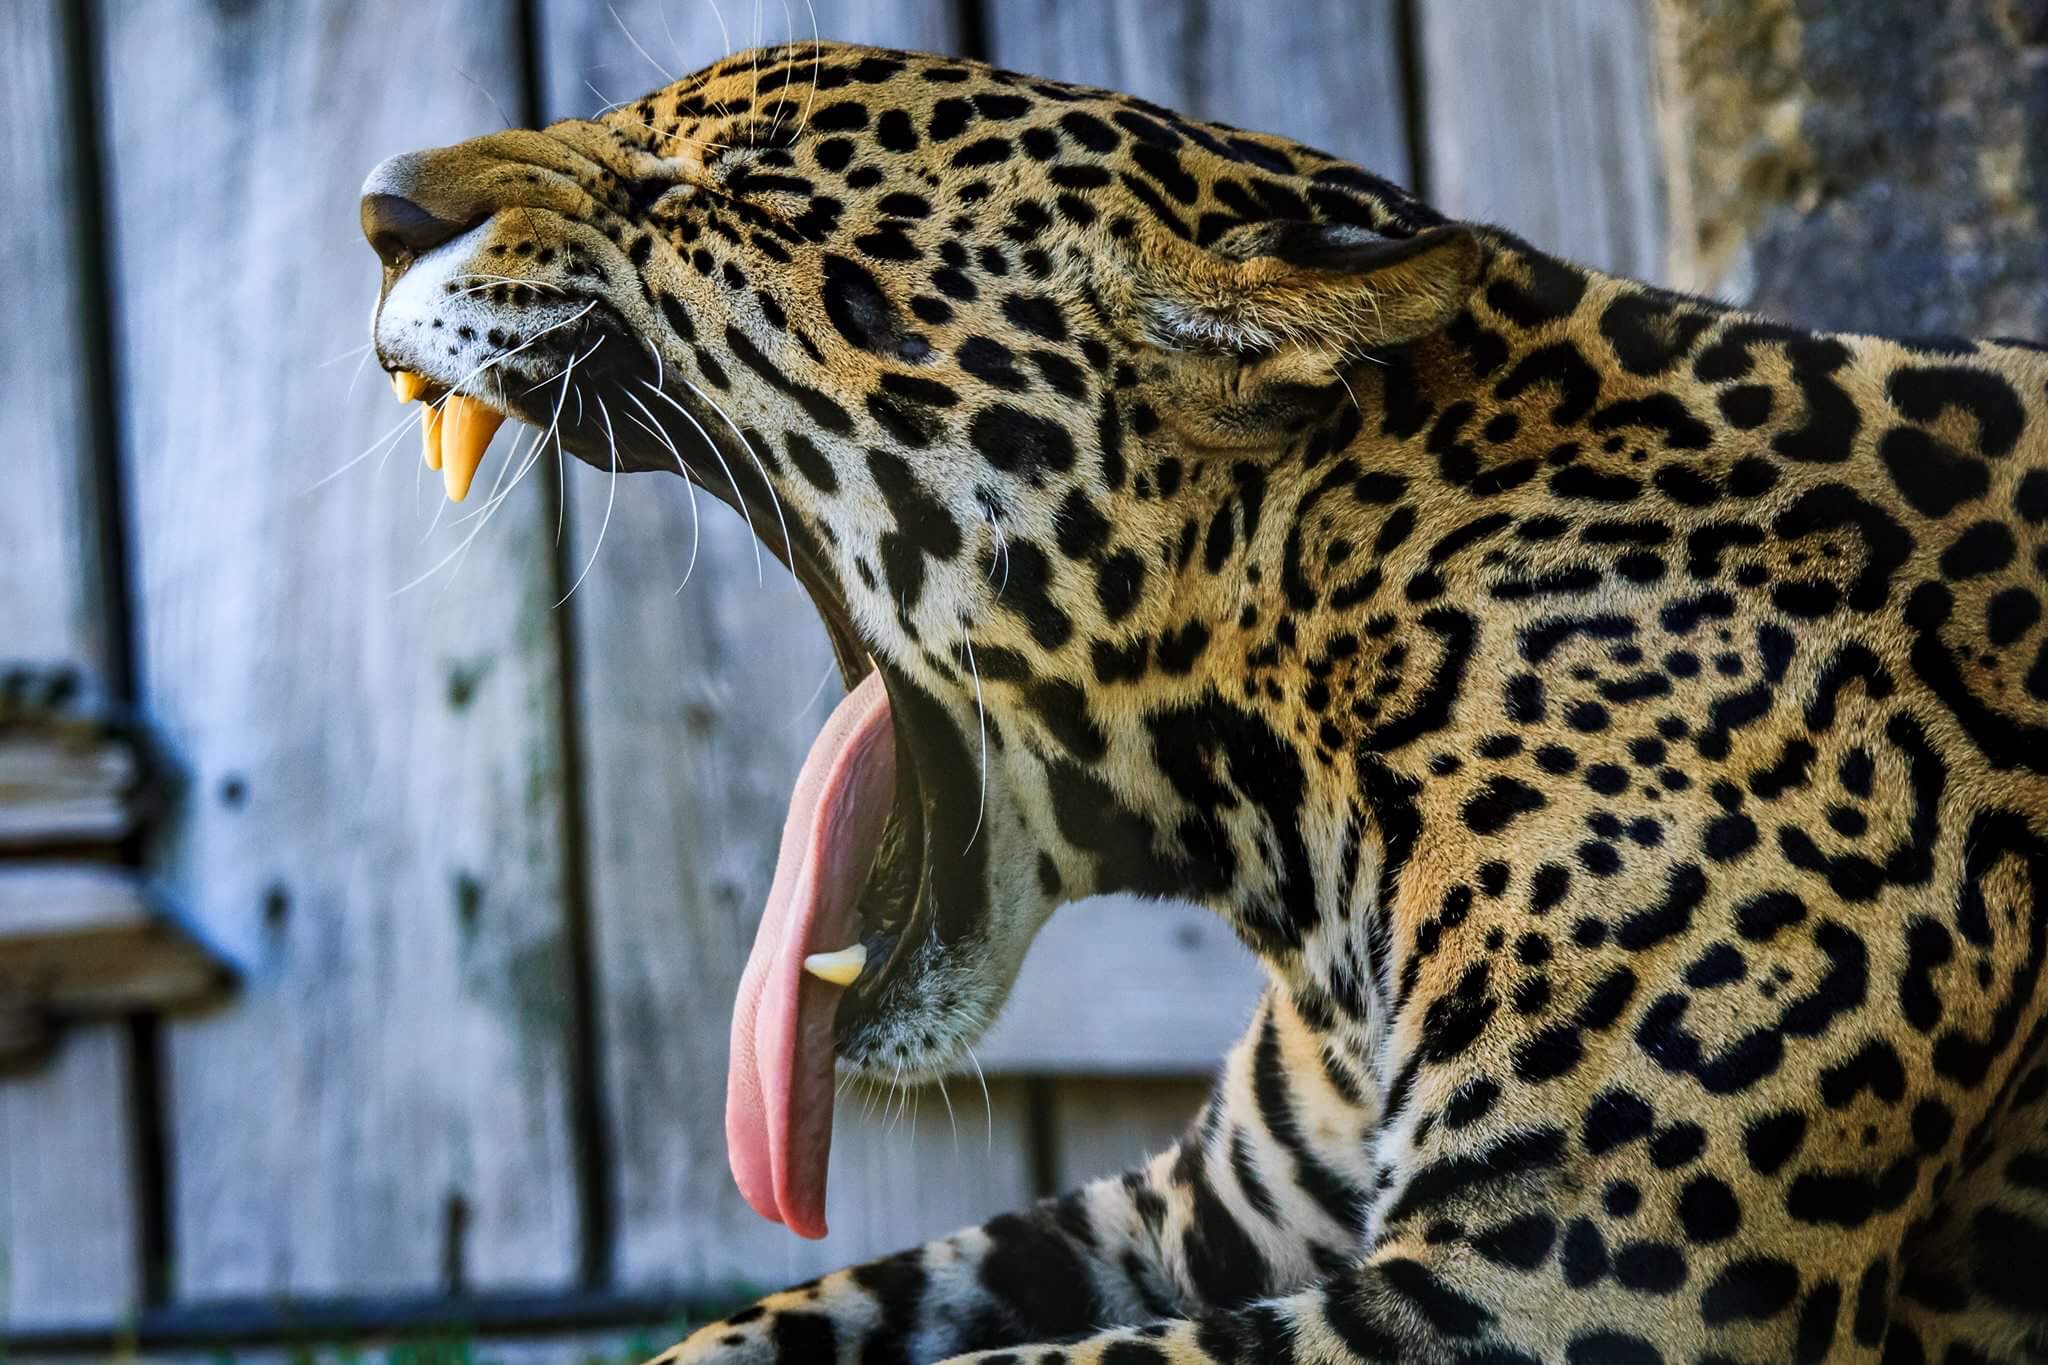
(1540, 116)
(1326, 72)
(1118, 985)
(1103, 1127)
(67, 1201)
(374, 825)
(696, 710)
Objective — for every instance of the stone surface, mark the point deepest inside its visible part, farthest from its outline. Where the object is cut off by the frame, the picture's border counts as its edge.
(1864, 168)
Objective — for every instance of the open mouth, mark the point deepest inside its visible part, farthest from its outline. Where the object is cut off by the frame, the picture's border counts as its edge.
(850, 901)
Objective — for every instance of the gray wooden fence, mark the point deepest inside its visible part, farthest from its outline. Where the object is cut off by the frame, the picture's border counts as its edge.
(488, 866)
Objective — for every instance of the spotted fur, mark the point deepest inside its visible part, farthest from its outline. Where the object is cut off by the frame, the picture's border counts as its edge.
(1619, 723)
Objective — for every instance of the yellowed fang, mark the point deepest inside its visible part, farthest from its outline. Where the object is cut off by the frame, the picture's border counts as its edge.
(407, 385)
(841, 968)
(466, 430)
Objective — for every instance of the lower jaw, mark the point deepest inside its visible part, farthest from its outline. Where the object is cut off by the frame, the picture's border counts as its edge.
(896, 908)
(895, 914)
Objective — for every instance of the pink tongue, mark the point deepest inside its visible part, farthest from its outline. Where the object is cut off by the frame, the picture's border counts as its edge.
(778, 1096)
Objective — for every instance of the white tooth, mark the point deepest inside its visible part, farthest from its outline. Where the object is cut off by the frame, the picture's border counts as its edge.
(841, 968)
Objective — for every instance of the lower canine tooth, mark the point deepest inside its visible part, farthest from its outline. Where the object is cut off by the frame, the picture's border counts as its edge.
(467, 428)
(840, 968)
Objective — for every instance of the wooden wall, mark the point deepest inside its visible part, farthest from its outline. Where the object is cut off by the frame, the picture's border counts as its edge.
(491, 864)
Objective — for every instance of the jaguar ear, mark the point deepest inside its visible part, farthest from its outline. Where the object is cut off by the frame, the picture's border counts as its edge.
(1263, 289)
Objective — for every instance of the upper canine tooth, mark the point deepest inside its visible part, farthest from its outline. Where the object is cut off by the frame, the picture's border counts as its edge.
(467, 428)
(841, 968)
(407, 385)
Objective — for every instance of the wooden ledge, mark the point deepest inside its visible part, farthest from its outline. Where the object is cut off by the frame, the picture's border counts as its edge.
(85, 939)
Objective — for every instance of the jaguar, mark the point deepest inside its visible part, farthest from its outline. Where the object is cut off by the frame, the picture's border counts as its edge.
(1618, 722)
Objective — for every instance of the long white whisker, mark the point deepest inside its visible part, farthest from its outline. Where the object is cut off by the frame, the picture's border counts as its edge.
(737, 496)
(334, 360)
(526, 463)
(988, 1106)
(499, 108)
(561, 488)
(655, 430)
(951, 1122)
(354, 377)
(724, 34)
(816, 692)
(789, 27)
(483, 288)
(433, 522)
(668, 75)
(388, 438)
(604, 106)
(514, 469)
(514, 462)
(505, 355)
(774, 498)
(561, 462)
(754, 95)
(507, 279)
(497, 500)
(981, 714)
(675, 49)
(1347, 391)
(817, 68)
(444, 560)
(1002, 551)
(895, 1091)
(484, 513)
(611, 496)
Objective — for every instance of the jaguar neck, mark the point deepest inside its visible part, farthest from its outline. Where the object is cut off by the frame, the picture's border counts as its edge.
(1326, 620)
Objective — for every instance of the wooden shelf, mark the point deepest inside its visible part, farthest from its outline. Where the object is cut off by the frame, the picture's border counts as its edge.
(62, 789)
(82, 940)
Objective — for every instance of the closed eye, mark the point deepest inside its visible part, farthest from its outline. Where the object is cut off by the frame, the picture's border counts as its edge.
(762, 134)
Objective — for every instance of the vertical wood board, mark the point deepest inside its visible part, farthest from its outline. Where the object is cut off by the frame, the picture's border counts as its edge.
(1540, 117)
(52, 597)
(67, 1236)
(374, 821)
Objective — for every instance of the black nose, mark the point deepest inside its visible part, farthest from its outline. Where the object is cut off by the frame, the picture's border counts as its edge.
(399, 229)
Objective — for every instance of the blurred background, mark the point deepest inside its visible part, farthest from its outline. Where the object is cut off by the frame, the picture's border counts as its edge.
(371, 905)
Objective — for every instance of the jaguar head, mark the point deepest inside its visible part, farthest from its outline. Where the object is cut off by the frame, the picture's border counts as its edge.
(999, 368)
